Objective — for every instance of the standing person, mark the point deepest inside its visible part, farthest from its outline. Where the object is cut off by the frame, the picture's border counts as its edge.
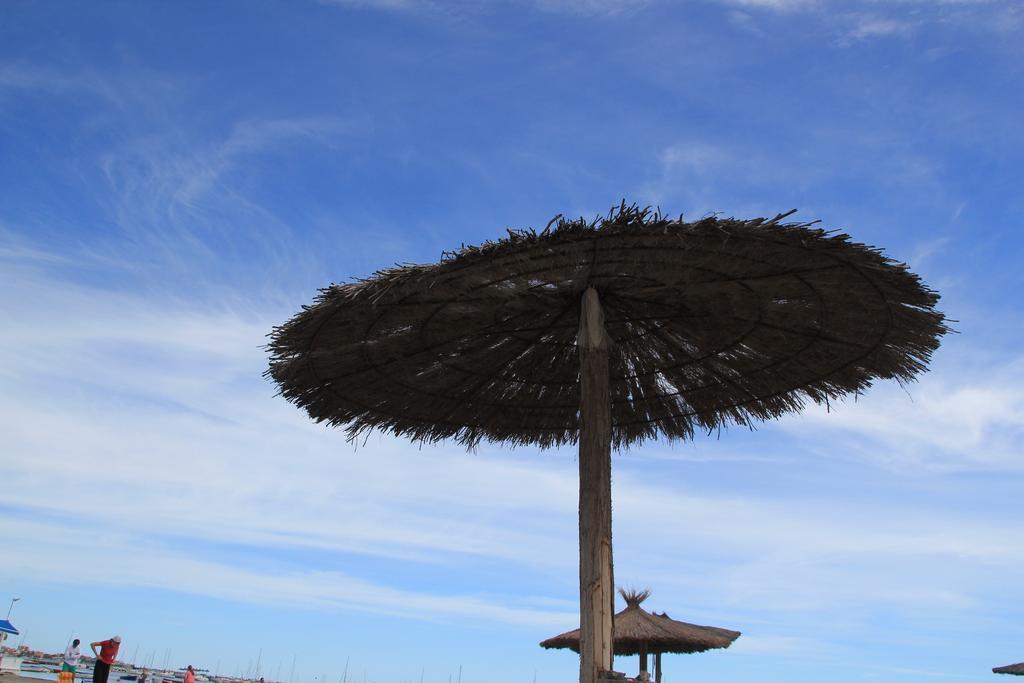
(71, 656)
(190, 675)
(104, 658)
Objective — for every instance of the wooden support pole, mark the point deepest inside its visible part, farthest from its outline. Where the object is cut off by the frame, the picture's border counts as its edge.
(643, 659)
(597, 584)
(657, 667)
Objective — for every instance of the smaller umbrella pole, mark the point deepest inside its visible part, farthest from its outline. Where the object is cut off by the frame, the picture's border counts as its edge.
(597, 585)
(657, 667)
(643, 659)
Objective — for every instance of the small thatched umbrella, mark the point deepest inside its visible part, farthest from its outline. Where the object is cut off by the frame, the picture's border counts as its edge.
(607, 333)
(1015, 669)
(639, 632)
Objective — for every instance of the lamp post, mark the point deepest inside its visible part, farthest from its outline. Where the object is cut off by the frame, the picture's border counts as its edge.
(3, 636)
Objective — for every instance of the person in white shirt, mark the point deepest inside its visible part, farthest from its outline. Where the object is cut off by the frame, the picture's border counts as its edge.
(71, 657)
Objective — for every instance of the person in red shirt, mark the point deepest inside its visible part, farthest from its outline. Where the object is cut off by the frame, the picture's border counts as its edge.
(190, 675)
(104, 658)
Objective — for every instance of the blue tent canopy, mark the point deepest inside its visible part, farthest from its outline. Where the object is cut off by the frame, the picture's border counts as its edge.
(7, 627)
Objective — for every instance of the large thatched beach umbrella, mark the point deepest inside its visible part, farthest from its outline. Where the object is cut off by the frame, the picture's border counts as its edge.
(1015, 669)
(639, 632)
(607, 333)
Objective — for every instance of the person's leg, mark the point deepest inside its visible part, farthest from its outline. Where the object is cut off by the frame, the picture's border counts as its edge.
(101, 672)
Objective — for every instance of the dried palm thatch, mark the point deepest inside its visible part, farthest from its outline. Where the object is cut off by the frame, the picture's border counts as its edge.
(714, 322)
(637, 631)
(607, 333)
(1015, 669)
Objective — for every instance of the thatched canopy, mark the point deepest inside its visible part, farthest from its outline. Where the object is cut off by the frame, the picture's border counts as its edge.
(714, 322)
(1015, 669)
(636, 629)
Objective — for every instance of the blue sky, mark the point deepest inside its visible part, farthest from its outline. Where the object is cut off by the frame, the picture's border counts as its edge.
(177, 178)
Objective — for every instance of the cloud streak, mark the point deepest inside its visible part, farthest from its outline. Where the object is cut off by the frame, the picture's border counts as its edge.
(211, 456)
(124, 560)
(971, 419)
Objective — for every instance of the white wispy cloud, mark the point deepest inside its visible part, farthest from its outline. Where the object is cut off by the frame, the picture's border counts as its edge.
(790, 5)
(23, 76)
(863, 27)
(971, 420)
(776, 5)
(607, 8)
(380, 4)
(604, 8)
(846, 23)
(162, 183)
(851, 20)
(193, 178)
(930, 248)
(169, 188)
(167, 396)
(778, 645)
(135, 90)
(107, 559)
(713, 174)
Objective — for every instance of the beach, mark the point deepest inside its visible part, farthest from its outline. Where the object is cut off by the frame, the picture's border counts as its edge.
(11, 677)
